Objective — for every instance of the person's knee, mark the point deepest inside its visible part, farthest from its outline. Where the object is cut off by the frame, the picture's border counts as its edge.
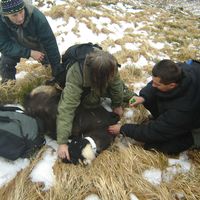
(173, 146)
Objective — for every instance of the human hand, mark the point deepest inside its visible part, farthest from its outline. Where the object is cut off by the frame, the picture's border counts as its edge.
(63, 151)
(135, 101)
(114, 129)
(118, 110)
(37, 55)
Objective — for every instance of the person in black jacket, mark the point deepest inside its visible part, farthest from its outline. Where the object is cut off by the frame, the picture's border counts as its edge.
(173, 99)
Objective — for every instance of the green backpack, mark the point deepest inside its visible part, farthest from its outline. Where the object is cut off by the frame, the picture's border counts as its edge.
(20, 134)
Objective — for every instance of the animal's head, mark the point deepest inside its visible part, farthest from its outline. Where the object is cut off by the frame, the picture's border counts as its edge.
(42, 104)
(81, 150)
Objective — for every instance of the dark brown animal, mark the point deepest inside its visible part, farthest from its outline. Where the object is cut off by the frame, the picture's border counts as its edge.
(89, 125)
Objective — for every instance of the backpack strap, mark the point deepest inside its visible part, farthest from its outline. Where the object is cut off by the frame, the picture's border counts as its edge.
(10, 107)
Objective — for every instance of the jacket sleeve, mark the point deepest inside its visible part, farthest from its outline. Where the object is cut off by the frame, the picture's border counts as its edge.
(48, 40)
(10, 47)
(148, 93)
(116, 91)
(70, 100)
(165, 127)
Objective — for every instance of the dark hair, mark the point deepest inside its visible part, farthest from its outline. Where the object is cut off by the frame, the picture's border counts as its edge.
(167, 71)
(102, 67)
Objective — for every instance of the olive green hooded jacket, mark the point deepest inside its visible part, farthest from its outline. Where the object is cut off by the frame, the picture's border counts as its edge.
(76, 81)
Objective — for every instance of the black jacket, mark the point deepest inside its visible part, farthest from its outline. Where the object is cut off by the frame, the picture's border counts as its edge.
(175, 112)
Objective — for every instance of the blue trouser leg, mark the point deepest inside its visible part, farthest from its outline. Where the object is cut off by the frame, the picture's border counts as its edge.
(7, 67)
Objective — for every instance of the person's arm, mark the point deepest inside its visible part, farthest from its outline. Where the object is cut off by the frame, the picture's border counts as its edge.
(165, 127)
(148, 93)
(10, 47)
(48, 40)
(63, 151)
(69, 101)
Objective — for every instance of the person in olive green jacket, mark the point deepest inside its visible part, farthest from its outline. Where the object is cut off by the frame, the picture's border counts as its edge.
(24, 33)
(100, 74)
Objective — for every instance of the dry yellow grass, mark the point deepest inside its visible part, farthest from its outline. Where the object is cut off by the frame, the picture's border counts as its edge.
(117, 172)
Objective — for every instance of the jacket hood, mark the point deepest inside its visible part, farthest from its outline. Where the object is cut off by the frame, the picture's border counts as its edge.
(29, 11)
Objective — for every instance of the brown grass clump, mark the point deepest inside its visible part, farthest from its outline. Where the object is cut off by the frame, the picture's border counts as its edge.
(115, 174)
(15, 91)
(56, 11)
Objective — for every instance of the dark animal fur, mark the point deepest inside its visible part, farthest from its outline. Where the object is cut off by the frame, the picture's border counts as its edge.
(94, 123)
(87, 122)
(44, 107)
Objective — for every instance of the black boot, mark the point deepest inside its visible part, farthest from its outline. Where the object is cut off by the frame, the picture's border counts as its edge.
(7, 68)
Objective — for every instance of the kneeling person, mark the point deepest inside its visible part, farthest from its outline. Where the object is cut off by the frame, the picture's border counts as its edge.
(99, 78)
(173, 98)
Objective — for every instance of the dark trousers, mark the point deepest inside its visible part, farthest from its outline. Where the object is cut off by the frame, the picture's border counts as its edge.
(7, 67)
(173, 146)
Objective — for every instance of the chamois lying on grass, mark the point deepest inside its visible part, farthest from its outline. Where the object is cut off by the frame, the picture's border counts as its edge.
(89, 131)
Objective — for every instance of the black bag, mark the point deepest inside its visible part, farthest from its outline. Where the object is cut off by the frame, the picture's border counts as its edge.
(77, 53)
(19, 133)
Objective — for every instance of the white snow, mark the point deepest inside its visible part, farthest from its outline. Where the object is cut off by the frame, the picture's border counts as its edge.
(92, 197)
(153, 175)
(9, 169)
(43, 171)
(175, 167)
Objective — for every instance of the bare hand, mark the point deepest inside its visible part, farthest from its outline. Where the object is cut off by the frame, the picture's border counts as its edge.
(114, 129)
(63, 151)
(37, 55)
(138, 100)
(118, 110)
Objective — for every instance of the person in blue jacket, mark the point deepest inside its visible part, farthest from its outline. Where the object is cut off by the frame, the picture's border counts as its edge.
(173, 99)
(24, 33)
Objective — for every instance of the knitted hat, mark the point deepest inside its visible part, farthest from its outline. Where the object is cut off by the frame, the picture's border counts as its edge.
(11, 6)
